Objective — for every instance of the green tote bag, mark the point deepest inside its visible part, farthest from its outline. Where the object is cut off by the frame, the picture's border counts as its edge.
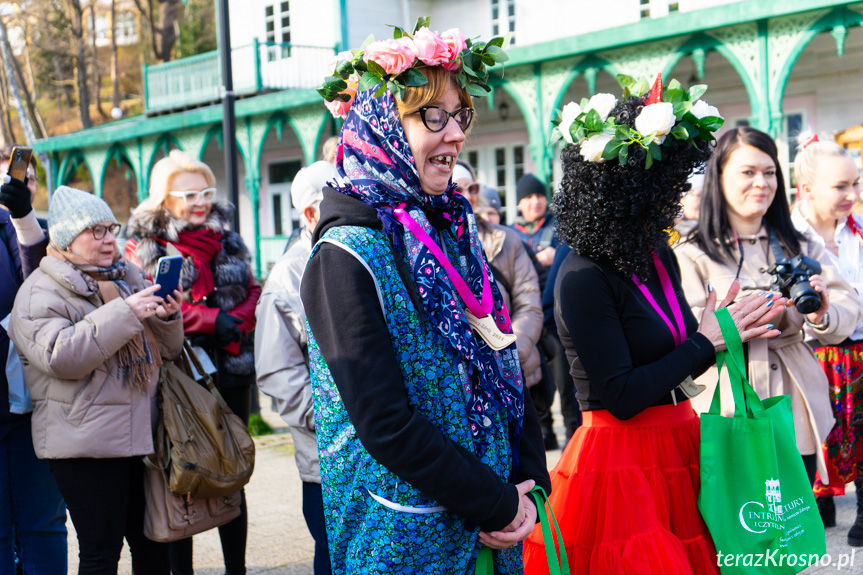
(755, 496)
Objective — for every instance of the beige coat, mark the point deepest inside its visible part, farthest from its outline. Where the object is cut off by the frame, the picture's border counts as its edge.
(506, 252)
(69, 342)
(785, 364)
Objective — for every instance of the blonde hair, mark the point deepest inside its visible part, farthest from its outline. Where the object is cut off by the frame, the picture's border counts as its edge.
(809, 155)
(163, 174)
(439, 81)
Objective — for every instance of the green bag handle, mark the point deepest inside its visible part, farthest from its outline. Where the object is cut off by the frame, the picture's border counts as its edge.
(485, 560)
(555, 566)
(746, 401)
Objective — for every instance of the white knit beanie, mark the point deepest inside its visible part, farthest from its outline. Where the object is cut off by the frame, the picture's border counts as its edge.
(72, 211)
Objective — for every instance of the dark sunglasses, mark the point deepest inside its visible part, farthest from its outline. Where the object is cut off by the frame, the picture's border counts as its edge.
(435, 118)
(99, 230)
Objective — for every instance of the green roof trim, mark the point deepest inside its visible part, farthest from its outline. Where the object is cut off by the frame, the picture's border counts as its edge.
(141, 126)
(675, 24)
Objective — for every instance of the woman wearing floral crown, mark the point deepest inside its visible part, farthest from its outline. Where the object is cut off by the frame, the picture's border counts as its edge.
(829, 185)
(428, 444)
(625, 490)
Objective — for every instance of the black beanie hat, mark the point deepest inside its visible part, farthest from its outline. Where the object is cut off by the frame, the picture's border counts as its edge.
(529, 185)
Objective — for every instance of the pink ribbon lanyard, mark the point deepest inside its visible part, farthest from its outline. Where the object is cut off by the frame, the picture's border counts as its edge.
(678, 334)
(479, 308)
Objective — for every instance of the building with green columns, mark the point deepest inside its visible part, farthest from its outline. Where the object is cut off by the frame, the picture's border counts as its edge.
(779, 66)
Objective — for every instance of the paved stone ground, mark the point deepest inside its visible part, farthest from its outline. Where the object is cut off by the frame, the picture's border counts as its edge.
(280, 544)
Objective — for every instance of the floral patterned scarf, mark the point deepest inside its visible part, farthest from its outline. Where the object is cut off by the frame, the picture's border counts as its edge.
(375, 160)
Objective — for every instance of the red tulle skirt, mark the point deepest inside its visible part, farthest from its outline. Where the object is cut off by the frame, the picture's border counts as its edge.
(625, 496)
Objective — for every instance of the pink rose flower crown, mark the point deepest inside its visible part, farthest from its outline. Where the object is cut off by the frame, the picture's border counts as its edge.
(395, 64)
(670, 114)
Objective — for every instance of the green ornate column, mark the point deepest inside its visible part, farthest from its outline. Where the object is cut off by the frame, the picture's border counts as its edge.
(644, 60)
(250, 137)
(787, 38)
(745, 48)
(97, 159)
(524, 85)
(193, 140)
(308, 122)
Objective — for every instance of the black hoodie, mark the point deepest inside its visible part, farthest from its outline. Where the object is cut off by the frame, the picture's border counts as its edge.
(342, 308)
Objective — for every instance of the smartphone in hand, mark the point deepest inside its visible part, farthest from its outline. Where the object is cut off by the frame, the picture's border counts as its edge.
(19, 161)
(168, 275)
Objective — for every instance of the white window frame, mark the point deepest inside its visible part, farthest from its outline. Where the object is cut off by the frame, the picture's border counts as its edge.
(283, 189)
(504, 23)
(278, 34)
(126, 28)
(787, 142)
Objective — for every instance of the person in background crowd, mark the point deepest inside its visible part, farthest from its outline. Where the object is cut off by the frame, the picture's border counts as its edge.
(537, 228)
(94, 335)
(743, 206)
(219, 298)
(829, 184)
(428, 443)
(516, 277)
(690, 203)
(535, 224)
(329, 151)
(32, 511)
(281, 351)
(625, 489)
(489, 207)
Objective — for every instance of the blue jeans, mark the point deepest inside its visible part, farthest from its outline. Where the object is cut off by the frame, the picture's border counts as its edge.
(313, 511)
(31, 508)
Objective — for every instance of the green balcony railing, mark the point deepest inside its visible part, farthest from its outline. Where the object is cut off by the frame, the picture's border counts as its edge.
(256, 67)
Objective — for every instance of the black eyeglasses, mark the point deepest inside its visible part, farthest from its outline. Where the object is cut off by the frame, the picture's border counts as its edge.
(435, 118)
(99, 230)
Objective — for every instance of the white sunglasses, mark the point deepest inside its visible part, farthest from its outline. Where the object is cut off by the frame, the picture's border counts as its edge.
(193, 197)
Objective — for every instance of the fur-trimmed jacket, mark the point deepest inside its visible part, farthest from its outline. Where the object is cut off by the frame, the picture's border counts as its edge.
(236, 291)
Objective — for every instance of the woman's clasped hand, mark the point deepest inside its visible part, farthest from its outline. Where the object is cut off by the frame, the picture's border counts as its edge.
(752, 315)
(520, 527)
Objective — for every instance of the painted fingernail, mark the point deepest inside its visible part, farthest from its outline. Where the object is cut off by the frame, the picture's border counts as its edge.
(769, 326)
(770, 303)
(769, 295)
(762, 292)
(709, 288)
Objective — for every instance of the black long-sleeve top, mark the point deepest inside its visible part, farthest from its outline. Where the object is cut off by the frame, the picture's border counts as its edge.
(342, 308)
(620, 350)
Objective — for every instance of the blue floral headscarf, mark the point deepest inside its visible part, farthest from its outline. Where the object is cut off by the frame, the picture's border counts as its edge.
(375, 158)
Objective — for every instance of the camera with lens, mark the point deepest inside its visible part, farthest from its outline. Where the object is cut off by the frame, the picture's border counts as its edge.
(791, 278)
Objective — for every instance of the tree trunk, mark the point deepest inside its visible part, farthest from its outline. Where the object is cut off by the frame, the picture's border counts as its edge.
(165, 36)
(96, 75)
(115, 73)
(28, 99)
(6, 137)
(77, 21)
(6, 52)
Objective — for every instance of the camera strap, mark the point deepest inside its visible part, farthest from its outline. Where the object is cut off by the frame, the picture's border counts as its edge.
(778, 254)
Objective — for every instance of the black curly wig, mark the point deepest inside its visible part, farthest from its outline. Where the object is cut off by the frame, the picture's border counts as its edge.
(617, 213)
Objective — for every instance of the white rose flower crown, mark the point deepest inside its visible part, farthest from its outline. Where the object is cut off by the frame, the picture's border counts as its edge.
(670, 111)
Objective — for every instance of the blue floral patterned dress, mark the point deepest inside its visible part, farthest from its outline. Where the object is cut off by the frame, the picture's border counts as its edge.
(377, 522)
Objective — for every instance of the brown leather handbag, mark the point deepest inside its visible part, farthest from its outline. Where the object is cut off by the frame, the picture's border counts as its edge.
(203, 456)
(211, 451)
